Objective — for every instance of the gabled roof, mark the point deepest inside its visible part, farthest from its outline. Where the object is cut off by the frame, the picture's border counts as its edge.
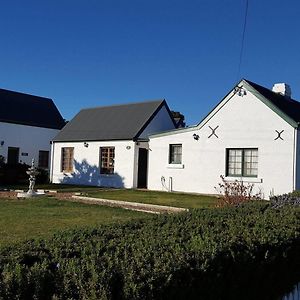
(117, 122)
(286, 108)
(19, 108)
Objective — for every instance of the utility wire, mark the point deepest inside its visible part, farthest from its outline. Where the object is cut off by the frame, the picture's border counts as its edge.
(243, 40)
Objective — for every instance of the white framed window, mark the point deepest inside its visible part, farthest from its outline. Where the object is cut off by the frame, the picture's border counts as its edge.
(107, 160)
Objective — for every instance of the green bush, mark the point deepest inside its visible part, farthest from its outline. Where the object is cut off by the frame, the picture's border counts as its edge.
(13, 174)
(247, 252)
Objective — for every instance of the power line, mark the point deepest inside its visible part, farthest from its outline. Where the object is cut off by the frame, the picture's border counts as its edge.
(243, 39)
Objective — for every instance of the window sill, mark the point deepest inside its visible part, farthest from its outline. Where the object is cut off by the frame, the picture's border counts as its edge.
(65, 173)
(244, 179)
(175, 166)
(107, 175)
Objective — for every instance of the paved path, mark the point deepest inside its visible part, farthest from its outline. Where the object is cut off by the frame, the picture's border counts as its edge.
(148, 208)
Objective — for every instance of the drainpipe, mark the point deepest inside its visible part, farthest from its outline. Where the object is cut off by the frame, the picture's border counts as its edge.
(52, 161)
(170, 184)
(295, 160)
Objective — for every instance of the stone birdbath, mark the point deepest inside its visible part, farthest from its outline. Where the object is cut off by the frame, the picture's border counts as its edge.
(32, 172)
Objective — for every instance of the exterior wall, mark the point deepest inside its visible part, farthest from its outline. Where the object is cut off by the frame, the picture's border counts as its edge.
(28, 138)
(244, 122)
(161, 122)
(87, 164)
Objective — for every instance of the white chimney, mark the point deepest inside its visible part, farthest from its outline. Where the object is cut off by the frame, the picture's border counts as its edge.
(282, 89)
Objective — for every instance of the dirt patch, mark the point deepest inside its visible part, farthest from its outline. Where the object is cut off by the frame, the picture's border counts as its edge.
(8, 194)
(61, 196)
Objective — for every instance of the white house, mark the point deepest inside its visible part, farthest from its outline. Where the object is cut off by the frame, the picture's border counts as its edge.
(108, 146)
(27, 125)
(251, 136)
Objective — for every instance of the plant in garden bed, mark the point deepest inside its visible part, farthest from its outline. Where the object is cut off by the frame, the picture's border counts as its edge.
(235, 192)
(291, 199)
(229, 253)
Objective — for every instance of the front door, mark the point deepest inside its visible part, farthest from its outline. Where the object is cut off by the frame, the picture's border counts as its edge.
(142, 168)
(12, 155)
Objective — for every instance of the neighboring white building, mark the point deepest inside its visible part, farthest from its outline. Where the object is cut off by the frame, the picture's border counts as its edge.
(108, 146)
(27, 125)
(251, 135)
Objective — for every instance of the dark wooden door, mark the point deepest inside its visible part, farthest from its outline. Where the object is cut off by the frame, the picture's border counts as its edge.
(142, 168)
(12, 155)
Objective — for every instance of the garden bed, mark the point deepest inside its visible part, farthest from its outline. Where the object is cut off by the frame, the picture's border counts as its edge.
(249, 252)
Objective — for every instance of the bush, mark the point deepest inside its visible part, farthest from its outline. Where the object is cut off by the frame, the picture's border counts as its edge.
(249, 252)
(13, 174)
(291, 199)
(235, 192)
(16, 174)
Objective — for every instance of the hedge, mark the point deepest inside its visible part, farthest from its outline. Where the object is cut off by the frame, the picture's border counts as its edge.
(249, 252)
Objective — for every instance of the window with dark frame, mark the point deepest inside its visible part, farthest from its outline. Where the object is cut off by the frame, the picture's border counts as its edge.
(67, 159)
(43, 159)
(175, 154)
(107, 160)
(242, 162)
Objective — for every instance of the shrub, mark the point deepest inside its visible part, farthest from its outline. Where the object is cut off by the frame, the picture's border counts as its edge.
(291, 199)
(14, 174)
(246, 252)
(235, 192)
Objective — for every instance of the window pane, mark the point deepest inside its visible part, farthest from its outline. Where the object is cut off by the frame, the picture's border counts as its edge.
(43, 159)
(250, 162)
(67, 157)
(175, 154)
(107, 160)
(234, 162)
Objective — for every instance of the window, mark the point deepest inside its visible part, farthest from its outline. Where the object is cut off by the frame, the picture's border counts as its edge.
(43, 159)
(107, 160)
(67, 157)
(242, 162)
(175, 154)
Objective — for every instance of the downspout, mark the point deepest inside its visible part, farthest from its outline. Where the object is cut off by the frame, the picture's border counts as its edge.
(52, 161)
(295, 160)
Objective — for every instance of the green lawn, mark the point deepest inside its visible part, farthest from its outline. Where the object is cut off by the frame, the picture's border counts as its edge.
(159, 198)
(41, 217)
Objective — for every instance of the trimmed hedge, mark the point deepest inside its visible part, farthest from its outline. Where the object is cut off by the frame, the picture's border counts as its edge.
(247, 252)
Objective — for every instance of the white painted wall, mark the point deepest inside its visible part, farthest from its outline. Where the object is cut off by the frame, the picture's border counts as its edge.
(29, 139)
(160, 122)
(87, 164)
(244, 122)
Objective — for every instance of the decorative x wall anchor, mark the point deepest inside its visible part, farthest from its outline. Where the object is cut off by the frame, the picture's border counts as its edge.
(279, 135)
(213, 131)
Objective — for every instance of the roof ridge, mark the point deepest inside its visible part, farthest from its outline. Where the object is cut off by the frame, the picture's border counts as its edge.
(26, 94)
(270, 90)
(124, 104)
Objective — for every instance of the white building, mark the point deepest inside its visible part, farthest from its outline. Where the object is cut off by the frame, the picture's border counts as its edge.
(251, 135)
(108, 146)
(27, 125)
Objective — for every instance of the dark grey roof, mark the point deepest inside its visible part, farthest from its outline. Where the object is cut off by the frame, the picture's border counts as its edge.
(117, 122)
(285, 107)
(29, 110)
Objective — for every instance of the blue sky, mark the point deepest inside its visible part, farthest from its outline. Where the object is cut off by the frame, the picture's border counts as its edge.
(85, 53)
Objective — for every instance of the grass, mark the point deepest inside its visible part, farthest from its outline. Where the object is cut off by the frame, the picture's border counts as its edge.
(159, 198)
(41, 217)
